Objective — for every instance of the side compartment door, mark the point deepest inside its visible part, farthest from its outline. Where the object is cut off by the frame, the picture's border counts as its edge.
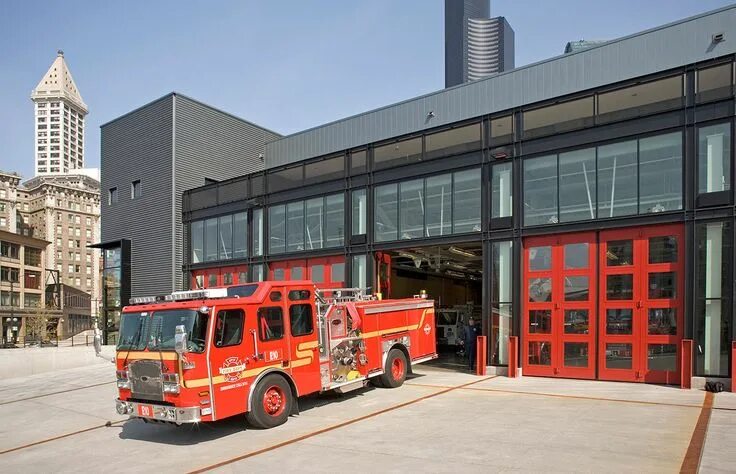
(228, 362)
(303, 347)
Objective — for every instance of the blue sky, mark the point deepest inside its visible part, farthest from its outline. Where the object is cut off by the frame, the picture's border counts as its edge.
(284, 64)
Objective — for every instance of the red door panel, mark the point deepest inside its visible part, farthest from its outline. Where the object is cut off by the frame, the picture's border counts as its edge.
(641, 304)
(559, 298)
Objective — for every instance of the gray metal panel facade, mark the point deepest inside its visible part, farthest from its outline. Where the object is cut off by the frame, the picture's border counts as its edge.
(210, 144)
(138, 146)
(660, 49)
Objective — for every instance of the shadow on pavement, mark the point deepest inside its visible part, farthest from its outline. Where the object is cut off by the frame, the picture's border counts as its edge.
(191, 434)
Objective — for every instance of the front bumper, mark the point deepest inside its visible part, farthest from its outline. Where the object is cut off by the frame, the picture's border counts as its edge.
(166, 413)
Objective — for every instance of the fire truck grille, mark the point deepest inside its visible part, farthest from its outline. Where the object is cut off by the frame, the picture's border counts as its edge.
(145, 380)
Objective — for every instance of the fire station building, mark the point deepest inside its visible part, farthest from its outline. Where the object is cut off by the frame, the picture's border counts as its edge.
(583, 204)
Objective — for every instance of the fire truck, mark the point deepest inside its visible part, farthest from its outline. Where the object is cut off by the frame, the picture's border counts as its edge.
(204, 355)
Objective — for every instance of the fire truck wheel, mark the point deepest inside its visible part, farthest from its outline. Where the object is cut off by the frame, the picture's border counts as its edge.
(271, 403)
(395, 370)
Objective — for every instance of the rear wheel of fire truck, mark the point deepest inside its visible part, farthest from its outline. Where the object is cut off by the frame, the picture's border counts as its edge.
(395, 371)
(271, 403)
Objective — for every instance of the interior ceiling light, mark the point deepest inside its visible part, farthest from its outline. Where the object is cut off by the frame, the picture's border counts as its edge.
(462, 252)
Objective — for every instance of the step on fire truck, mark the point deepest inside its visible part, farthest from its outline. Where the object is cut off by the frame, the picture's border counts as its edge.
(204, 355)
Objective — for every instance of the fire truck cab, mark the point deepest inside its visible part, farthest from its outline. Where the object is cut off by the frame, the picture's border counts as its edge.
(204, 355)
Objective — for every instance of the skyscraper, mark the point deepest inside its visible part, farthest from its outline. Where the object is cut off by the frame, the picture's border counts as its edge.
(60, 112)
(476, 45)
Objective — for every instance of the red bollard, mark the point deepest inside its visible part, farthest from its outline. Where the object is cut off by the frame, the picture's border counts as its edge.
(480, 356)
(733, 366)
(513, 353)
(686, 363)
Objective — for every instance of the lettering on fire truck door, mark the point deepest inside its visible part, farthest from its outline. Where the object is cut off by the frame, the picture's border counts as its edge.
(228, 359)
(303, 346)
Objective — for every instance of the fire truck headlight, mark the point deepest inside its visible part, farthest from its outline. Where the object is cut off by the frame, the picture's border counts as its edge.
(123, 408)
(171, 383)
(122, 379)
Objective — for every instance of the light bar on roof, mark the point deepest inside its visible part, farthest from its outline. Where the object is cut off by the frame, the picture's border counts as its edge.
(197, 294)
(145, 299)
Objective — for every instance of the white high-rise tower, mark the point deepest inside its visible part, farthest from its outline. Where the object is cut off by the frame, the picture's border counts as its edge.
(59, 124)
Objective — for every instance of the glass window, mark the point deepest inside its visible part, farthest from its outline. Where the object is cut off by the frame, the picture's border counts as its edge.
(502, 190)
(712, 298)
(540, 190)
(662, 357)
(295, 226)
(618, 356)
(196, 234)
(300, 319)
(359, 272)
(617, 179)
(229, 328)
(278, 274)
(337, 272)
(540, 290)
(386, 212)
(714, 158)
(210, 239)
(258, 232)
(439, 205)
(324, 170)
(225, 238)
(577, 185)
(240, 235)
(289, 178)
(270, 323)
(619, 252)
(660, 173)
(620, 287)
(277, 229)
(358, 162)
(335, 220)
(576, 256)
(619, 321)
(662, 321)
(662, 285)
(112, 196)
(641, 99)
(502, 130)
(297, 273)
(540, 321)
(576, 288)
(576, 321)
(540, 353)
(558, 118)
(663, 249)
(315, 223)
(135, 189)
(714, 83)
(359, 205)
(540, 258)
(258, 272)
(411, 209)
(452, 142)
(318, 273)
(212, 279)
(576, 354)
(399, 153)
(298, 295)
(502, 299)
(466, 201)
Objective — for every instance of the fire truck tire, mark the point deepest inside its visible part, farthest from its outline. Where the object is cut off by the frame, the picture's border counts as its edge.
(272, 402)
(395, 370)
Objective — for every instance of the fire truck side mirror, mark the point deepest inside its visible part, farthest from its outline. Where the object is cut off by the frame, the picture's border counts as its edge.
(180, 339)
(98, 341)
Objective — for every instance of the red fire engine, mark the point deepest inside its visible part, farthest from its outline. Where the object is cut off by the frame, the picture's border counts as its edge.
(204, 355)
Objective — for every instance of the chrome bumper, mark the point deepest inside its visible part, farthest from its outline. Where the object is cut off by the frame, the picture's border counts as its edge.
(152, 411)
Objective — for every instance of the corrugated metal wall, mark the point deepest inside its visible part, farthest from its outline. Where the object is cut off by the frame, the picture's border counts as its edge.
(210, 144)
(138, 146)
(667, 47)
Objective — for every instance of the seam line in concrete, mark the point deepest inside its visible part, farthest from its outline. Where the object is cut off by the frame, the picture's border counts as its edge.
(560, 395)
(66, 435)
(334, 427)
(54, 393)
(694, 453)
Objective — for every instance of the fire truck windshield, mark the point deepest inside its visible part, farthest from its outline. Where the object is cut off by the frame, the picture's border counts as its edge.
(156, 330)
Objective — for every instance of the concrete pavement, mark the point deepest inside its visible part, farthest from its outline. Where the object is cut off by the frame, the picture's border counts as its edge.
(434, 423)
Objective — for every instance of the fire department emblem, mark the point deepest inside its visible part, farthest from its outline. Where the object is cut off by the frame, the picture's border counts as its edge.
(232, 368)
(427, 329)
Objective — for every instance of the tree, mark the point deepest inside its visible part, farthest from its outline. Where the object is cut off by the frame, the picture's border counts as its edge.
(36, 325)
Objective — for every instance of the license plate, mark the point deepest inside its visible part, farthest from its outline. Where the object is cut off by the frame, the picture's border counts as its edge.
(145, 411)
